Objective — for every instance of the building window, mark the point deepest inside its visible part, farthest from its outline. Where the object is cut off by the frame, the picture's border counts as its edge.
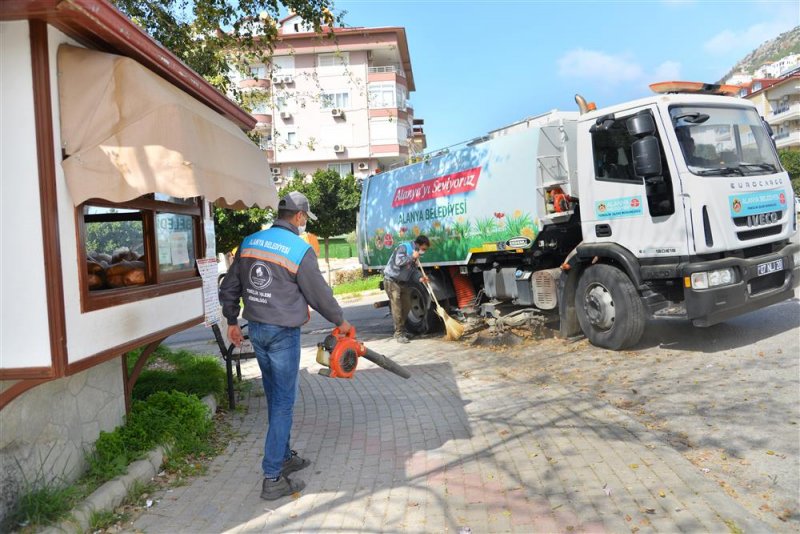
(138, 247)
(283, 64)
(259, 72)
(342, 168)
(261, 108)
(334, 100)
(265, 141)
(291, 138)
(382, 95)
(333, 61)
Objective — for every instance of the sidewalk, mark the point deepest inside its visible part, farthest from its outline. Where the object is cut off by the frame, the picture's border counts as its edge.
(452, 447)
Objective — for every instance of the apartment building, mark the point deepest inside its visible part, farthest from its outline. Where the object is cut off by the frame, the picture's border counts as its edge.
(779, 104)
(339, 102)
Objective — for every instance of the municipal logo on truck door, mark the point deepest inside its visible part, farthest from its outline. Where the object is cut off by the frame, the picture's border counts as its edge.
(616, 208)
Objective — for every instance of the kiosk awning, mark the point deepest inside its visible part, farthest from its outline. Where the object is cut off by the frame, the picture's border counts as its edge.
(127, 132)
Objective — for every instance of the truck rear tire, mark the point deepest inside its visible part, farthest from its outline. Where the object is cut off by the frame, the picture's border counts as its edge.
(608, 307)
(422, 318)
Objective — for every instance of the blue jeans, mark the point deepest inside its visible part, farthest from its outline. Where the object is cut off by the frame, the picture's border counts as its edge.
(277, 350)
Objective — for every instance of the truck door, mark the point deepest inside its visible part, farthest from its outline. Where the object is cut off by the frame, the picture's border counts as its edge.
(644, 215)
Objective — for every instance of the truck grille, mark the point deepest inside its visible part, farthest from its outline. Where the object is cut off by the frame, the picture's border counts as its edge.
(760, 232)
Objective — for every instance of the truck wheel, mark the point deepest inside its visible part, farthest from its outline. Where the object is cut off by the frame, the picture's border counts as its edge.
(422, 318)
(609, 309)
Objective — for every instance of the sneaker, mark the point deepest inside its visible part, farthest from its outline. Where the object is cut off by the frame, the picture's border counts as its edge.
(401, 338)
(275, 489)
(294, 463)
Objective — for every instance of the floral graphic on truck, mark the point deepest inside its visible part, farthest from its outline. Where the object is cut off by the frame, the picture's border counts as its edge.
(453, 239)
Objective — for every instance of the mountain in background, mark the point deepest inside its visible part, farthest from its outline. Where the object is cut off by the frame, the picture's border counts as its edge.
(783, 45)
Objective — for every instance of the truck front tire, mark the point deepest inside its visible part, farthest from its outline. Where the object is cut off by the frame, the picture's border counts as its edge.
(609, 309)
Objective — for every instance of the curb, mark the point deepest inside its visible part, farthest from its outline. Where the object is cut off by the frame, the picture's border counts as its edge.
(359, 295)
(112, 493)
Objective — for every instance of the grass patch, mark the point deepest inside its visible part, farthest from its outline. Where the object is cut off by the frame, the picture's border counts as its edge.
(355, 286)
(43, 505)
(102, 520)
(182, 371)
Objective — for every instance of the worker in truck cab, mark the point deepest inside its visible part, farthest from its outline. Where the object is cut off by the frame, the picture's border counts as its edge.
(276, 275)
(401, 271)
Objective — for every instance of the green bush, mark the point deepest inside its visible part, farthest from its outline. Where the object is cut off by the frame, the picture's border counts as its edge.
(174, 418)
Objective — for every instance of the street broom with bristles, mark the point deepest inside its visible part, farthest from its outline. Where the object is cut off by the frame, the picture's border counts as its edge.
(454, 330)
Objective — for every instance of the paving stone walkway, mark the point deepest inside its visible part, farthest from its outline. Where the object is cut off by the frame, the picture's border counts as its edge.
(453, 447)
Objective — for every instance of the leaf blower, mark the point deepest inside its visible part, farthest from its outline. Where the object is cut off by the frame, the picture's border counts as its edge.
(339, 353)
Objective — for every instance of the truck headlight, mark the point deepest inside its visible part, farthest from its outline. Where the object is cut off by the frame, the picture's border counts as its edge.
(707, 279)
(796, 259)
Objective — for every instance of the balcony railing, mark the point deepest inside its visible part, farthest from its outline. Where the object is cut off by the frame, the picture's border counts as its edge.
(386, 68)
(782, 135)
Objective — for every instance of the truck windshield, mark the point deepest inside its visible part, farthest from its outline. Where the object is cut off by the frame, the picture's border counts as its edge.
(720, 141)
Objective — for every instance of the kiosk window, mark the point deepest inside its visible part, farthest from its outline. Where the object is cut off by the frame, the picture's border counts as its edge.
(137, 247)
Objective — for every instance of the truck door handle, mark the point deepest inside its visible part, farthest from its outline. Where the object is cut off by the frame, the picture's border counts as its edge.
(602, 230)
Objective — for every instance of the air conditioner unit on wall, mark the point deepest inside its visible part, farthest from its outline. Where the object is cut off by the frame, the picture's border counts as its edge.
(277, 178)
(276, 171)
(336, 112)
(338, 148)
(363, 166)
(288, 79)
(286, 115)
(276, 79)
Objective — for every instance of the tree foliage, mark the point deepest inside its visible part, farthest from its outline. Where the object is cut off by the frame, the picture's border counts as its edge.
(790, 159)
(232, 226)
(212, 36)
(333, 199)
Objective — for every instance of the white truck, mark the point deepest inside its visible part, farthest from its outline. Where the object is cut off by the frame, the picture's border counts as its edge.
(674, 204)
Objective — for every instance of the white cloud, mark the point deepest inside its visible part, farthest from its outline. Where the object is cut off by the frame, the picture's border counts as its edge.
(598, 66)
(730, 41)
(667, 71)
(608, 69)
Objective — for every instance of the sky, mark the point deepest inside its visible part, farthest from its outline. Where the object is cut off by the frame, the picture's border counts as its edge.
(480, 65)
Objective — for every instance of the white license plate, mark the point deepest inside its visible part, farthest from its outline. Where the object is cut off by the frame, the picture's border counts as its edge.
(769, 267)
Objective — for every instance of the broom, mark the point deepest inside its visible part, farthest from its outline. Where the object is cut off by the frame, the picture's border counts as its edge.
(453, 328)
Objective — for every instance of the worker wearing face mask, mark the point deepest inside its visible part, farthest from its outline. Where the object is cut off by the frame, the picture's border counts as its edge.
(277, 277)
(399, 274)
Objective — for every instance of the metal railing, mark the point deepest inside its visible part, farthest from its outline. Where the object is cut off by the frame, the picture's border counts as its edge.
(781, 135)
(386, 68)
(783, 108)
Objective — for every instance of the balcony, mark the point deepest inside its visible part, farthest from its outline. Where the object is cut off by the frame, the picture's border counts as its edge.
(388, 73)
(253, 84)
(787, 138)
(263, 121)
(419, 139)
(784, 112)
(388, 68)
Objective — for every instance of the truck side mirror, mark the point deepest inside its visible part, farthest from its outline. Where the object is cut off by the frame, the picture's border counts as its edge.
(646, 156)
(641, 124)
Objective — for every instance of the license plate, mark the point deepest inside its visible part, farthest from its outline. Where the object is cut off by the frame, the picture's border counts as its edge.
(769, 267)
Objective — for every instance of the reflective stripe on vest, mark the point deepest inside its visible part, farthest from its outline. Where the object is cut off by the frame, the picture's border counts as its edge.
(276, 245)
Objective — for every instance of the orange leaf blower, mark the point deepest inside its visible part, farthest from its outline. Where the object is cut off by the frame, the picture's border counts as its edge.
(340, 354)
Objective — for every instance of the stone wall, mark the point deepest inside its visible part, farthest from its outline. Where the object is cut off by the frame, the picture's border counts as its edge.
(46, 431)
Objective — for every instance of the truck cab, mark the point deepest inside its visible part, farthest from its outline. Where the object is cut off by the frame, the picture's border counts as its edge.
(686, 195)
